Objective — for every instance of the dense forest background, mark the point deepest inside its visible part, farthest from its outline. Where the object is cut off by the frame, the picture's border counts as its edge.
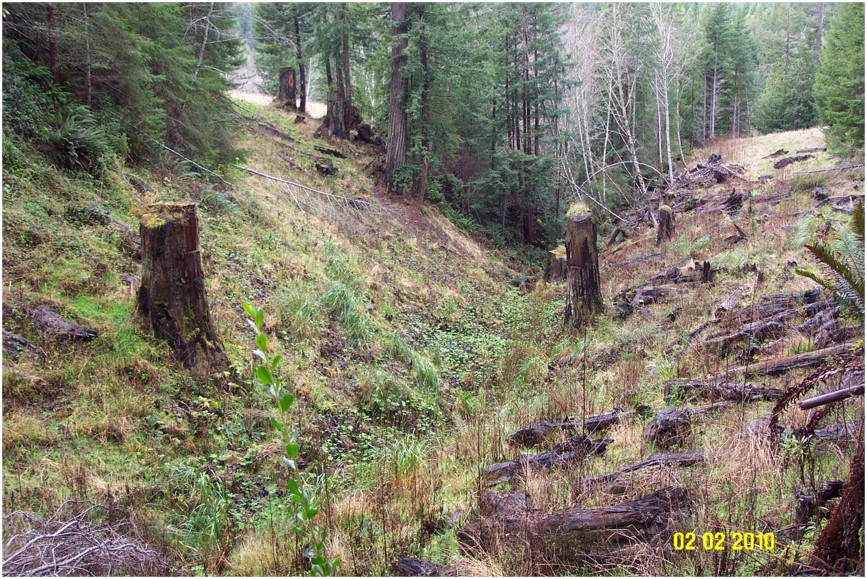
(497, 112)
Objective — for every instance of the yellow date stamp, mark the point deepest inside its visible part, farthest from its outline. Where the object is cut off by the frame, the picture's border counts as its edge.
(719, 541)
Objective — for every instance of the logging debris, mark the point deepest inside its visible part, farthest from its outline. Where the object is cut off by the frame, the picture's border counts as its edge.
(689, 390)
(656, 460)
(786, 161)
(710, 173)
(538, 432)
(672, 427)
(575, 534)
(783, 365)
(572, 450)
(415, 567)
(775, 154)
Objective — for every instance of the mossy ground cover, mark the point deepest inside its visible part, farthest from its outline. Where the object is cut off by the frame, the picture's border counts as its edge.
(414, 350)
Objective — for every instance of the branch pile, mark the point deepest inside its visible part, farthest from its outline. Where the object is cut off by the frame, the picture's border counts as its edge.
(87, 542)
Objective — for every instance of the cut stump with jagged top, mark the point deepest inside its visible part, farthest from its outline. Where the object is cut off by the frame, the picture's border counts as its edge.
(171, 299)
(583, 289)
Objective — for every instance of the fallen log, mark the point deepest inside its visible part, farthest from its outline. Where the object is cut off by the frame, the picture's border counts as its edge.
(415, 567)
(775, 304)
(635, 260)
(851, 198)
(328, 151)
(830, 434)
(786, 161)
(689, 390)
(630, 300)
(756, 332)
(575, 449)
(52, 323)
(783, 365)
(812, 150)
(15, 345)
(575, 534)
(655, 461)
(775, 154)
(836, 334)
(290, 161)
(274, 131)
(538, 432)
(672, 427)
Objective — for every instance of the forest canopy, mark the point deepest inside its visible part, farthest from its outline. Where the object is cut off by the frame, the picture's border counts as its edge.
(498, 112)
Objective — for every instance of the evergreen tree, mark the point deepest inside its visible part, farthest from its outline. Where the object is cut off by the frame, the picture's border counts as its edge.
(839, 85)
(121, 77)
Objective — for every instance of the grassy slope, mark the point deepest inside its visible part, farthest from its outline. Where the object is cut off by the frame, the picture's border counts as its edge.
(413, 355)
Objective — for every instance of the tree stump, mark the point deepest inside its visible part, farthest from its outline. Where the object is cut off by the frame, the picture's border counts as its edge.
(172, 298)
(665, 231)
(583, 294)
(555, 269)
(286, 91)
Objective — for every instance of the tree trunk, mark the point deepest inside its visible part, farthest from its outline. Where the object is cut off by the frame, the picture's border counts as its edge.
(88, 81)
(583, 293)
(421, 189)
(820, 25)
(200, 56)
(397, 138)
(53, 45)
(302, 74)
(347, 83)
(172, 298)
(839, 546)
(665, 231)
(286, 91)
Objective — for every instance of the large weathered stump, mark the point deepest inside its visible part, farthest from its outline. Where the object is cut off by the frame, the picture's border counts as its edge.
(286, 91)
(172, 298)
(665, 231)
(583, 294)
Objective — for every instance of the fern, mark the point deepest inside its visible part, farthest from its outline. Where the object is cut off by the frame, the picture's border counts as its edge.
(842, 256)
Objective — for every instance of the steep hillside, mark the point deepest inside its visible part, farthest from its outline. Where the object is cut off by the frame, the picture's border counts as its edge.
(415, 352)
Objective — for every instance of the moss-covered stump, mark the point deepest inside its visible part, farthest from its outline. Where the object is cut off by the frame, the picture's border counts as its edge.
(172, 299)
(583, 293)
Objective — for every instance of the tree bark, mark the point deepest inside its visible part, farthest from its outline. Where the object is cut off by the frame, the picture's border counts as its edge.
(200, 55)
(583, 293)
(286, 90)
(172, 298)
(347, 83)
(421, 189)
(395, 155)
(53, 45)
(302, 73)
